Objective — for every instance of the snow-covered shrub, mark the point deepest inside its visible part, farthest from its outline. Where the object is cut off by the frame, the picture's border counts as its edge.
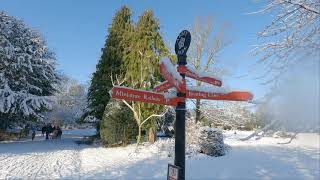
(165, 124)
(90, 119)
(211, 142)
(27, 72)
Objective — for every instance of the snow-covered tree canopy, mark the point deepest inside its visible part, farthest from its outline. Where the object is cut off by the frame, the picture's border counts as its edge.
(69, 102)
(293, 35)
(232, 114)
(27, 70)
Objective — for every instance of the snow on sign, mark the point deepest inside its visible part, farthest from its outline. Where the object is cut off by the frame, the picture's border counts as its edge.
(169, 72)
(118, 92)
(200, 76)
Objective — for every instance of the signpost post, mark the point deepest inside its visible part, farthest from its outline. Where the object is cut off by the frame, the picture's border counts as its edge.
(181, 48)
(176, 80)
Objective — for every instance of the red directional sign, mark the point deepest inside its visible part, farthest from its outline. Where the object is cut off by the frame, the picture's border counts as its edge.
(232, 96)
(194, 75)
(162, 87)
(169, 76)
(118, 92)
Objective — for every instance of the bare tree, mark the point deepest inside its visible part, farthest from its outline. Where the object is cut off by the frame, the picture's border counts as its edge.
(138, 114)
(207, 43)
(293, 35)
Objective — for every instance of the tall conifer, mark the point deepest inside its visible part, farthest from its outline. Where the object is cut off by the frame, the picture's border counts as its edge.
(141, 62)
(110, 62)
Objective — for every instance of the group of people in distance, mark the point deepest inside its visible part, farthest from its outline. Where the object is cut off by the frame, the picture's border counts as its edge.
(52, 132)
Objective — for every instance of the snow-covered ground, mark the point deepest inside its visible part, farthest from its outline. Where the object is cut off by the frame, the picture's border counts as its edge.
(252, 159)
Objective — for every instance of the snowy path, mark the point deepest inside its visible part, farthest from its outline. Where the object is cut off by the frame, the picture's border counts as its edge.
(40, 159)
(64, 159)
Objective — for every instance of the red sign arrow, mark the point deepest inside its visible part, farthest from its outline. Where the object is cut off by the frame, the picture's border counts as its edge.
(195, 75)
(118, 92)
(232, 96)
(162, 87)
(169, 72)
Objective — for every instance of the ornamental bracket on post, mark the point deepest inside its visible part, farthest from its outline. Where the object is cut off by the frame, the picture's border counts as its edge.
(175, 79)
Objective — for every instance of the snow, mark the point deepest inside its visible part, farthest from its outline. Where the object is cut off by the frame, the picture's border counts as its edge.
(203, 73)
(171, 68)
(252, 159)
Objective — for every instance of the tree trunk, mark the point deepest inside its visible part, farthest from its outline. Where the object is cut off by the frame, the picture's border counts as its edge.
(139, 136)
(3, 122)
(198, 112)
(152, 135)
(292, 137)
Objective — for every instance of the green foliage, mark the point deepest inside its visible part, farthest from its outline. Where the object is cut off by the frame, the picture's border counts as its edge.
(133, 53)
(145, 50)
(146, 47)
(118, 126)
(110, 62)
(249, 126)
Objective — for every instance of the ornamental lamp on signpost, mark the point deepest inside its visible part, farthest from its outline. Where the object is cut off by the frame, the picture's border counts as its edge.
(175, 78)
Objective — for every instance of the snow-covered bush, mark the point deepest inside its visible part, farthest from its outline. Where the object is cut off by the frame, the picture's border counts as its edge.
(165, 124)
(211, 142)
(27, 72)
(90, 119)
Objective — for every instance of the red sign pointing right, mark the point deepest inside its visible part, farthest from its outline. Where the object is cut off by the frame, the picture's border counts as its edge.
(197, 76)
(231, 96)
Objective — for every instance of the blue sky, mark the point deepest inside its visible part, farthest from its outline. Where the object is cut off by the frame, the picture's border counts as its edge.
(76, 30)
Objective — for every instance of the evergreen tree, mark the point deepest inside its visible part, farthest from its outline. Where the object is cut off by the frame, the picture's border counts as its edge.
(142, 57)
(110, 62)
(27, 72)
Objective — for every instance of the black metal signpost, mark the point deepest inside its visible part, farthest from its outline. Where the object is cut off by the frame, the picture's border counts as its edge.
(181, 48)
(177, 171)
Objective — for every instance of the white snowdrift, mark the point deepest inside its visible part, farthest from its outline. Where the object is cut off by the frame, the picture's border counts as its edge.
(252, 159)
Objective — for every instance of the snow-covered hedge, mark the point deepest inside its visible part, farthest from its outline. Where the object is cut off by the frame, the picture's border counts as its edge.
(211, 142)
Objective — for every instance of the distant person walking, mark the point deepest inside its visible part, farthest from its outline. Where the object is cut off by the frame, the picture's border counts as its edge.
(33, 134)
(47, 129)
(59, 132)
(43, 130)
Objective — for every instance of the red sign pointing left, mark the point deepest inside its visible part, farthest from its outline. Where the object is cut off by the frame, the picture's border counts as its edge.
(118, 92)
(169, 72)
